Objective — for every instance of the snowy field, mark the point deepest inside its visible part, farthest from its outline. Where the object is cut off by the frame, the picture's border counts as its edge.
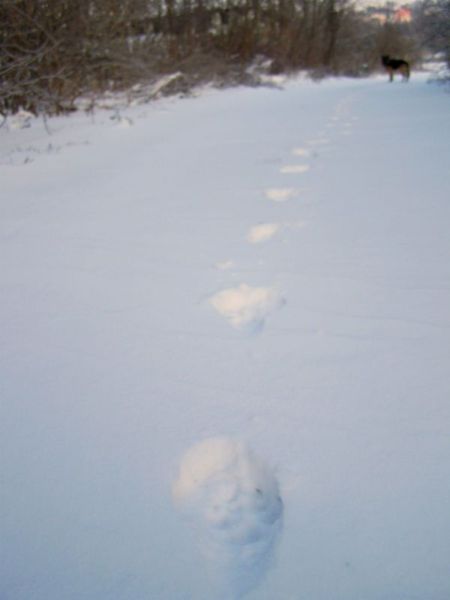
(225, 347)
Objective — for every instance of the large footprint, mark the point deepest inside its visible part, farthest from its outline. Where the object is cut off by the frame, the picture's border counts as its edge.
(233, 501)
(246, 308)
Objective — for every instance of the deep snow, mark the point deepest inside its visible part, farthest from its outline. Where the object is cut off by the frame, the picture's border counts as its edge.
(272, 266)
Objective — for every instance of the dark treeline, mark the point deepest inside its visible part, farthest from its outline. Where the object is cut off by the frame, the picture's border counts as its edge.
(53, 51)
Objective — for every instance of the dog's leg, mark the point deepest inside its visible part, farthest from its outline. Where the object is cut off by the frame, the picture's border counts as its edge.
(404, 74)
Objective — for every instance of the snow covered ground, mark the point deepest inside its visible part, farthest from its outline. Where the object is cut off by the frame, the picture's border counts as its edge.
(239, 303)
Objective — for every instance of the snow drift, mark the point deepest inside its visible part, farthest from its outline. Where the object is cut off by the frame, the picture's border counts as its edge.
(233, 501)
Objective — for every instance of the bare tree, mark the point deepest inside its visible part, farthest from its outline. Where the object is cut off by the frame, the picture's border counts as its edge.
(432, 19)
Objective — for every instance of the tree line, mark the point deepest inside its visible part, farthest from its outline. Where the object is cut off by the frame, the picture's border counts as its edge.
(53, 51)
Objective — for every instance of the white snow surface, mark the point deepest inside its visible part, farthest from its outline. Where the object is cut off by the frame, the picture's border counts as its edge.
(114, 361)
(232, 499)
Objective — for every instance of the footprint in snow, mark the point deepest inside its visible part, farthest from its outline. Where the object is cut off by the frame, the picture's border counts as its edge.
(294, 169)
(232, 500)
(281, 194)
(266, 231)
(263, 232)
(246, 308)
(303, 152)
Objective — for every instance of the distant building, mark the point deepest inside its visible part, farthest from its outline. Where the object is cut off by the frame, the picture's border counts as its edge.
(403, 15)
(388, 13)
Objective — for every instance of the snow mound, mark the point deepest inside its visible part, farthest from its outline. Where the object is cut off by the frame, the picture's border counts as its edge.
(262, 233)
(232, 499)
(21, 120)
(247, 307)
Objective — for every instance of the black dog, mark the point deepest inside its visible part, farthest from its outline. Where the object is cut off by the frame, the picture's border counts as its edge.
(393, 65)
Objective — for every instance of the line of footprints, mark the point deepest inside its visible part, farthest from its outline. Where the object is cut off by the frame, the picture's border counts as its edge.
(245, 307)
